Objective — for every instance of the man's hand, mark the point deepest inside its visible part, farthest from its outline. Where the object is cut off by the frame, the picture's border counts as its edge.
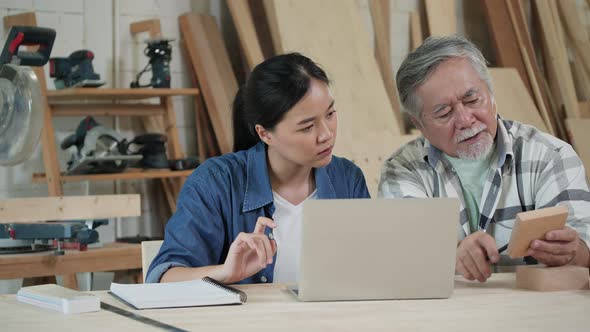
(472, 256)
(249, 253)
(559, 247)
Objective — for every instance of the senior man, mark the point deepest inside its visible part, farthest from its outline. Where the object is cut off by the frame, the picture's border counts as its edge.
(496, 167)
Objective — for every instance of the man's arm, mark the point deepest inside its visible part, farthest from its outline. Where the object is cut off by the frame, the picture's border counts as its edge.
(563, 182)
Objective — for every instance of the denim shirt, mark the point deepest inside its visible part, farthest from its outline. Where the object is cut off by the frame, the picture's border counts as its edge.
(225, 196)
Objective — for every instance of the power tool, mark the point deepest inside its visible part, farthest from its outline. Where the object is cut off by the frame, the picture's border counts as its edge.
(160, 53)
(74, 71)
(21, 120)
(98, 149)
(21, 109)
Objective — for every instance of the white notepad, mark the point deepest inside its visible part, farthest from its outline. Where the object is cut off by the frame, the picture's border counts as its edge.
(201, 292)
(59, 298)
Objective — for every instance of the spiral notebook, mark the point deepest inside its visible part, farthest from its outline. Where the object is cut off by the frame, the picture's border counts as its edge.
(200, 292)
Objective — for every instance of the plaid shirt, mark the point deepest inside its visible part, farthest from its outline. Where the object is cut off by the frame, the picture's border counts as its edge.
(531, 170)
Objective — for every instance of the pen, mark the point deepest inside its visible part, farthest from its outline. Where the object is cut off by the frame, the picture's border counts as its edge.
(502, 248)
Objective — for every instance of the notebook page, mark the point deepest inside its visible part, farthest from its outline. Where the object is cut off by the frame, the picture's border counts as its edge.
(176, 294)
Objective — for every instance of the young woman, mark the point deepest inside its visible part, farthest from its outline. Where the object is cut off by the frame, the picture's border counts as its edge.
(284, 132)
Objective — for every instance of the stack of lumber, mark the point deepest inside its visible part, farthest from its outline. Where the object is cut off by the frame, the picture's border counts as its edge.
(538, 88)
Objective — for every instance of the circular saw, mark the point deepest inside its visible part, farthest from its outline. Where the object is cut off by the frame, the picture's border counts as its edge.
(21, 103)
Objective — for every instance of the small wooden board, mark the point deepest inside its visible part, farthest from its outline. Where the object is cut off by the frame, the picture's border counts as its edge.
(533, 225)
(551, 279)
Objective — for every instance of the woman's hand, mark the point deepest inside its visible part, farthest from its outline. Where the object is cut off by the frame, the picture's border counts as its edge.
(249, 253)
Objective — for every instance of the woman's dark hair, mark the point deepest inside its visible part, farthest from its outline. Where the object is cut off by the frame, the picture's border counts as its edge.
(271, 90)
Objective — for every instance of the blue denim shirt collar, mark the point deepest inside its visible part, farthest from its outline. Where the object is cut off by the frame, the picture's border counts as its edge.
(258, 189)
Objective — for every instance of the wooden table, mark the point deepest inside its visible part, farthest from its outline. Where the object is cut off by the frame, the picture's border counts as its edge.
(493, 306)
(111, 257)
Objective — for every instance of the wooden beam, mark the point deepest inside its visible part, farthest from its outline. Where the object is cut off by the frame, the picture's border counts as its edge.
(556, 60)
(30, 210)
(506, 48)
(112, 257)
(531, 72)
(128, 174)
(106, 110)
(242, 18)
(538, 84)
(273, 26)
(214, 72)
(262, 27)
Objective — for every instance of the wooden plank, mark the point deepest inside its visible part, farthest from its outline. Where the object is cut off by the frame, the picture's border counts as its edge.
(577, 33)
(214, 72)
(26, 210)
(513, 101)
(416, 34)
(533, 225)
(556, 60)
(383, 55)
(262, 27)
(112, 257)
(106, 110)
(523, 37)
(331, 33)
(442, 17)
(151, 26)
(504, 39)
(28, 19)
(580, 136)
(273, 25)
(531, 72)
(128, 174)
(551, 279)
(244, 23)
(116, 94)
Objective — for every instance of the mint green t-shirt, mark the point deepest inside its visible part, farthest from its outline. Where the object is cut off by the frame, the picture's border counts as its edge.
(473, 175)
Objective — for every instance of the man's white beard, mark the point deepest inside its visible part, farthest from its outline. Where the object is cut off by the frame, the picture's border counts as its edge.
(479, 149)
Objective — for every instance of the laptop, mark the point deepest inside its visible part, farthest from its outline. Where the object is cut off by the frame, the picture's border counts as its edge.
(377, 249)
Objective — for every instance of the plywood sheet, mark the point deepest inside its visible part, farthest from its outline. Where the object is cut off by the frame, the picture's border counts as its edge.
(214, 72)
(370, 152)
(513, 100)
(331, 33)
(442, 17)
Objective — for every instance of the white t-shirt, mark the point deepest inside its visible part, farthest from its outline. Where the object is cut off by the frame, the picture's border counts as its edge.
(287, 234)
